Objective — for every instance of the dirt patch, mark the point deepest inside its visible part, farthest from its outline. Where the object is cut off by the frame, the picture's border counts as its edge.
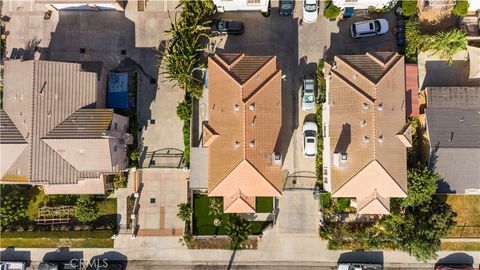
(222, 243)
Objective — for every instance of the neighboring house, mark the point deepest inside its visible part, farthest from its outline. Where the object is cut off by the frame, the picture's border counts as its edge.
(474, 6)
(365, 135)
(83, 5)
(241, 5)
(363, 4)
(237, 156)
(52, 131)
(453, 128)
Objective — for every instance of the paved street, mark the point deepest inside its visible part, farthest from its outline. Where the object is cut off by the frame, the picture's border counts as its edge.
(293, 243)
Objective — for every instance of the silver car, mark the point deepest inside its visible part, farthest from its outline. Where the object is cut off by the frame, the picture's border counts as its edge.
(308, 94)
(309, 132)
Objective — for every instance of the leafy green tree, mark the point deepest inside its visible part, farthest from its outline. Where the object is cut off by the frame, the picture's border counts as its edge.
(184, 212)
(422, 184)
(86, 210)
(461, 8)
(216, 207)
(420, 229)
(184, 110)
(331, 11)
(417, 42)
(238, 230)
(12, 207)
(409, 7)
(447, 44)
(120, 180)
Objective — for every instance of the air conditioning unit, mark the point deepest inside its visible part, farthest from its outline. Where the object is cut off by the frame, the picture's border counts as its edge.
(277, 159)
(340, 160)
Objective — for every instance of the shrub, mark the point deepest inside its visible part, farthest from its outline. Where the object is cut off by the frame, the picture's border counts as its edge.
(374, 10)
(12, 208)
(409, 7)
(326, 200)
(186, 142)
(331, 11)
(184, 110)
(120, 180)
(86, 210)
(342, 205)
(133, 156)
(461, 8)
(184, 212)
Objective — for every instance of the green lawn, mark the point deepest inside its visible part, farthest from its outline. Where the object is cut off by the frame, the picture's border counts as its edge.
(55, 239)
(467, 208)
(59, 234)
(55, 243)
(264, 204)
(460, 246)
(203, 222)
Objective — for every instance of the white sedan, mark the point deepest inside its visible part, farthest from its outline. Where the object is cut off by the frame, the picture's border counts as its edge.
(310, 11)
(309, 132)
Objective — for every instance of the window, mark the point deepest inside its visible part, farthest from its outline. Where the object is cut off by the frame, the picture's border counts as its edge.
(116, 126)
(351, 1)
(253, 1)
(115, 148)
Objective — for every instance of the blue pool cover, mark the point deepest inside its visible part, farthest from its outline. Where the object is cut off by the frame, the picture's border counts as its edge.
(117, 90)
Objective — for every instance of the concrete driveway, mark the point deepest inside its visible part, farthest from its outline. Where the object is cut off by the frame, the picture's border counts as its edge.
(343, 43)
(161, 190)
(298, 213)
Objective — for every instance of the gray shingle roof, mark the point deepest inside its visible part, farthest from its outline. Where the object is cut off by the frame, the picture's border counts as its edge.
(459, 169)
(39, 98)
(9, 134)
(84, 123)
(453, 124)
(453, 128)
(453, 97)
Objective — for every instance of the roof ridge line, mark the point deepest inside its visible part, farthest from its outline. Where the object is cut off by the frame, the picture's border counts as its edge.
(223, 68)
(390, 67)
(33, 116)
(260, 87)
(353, 87)
(354, 69)
(273, 58)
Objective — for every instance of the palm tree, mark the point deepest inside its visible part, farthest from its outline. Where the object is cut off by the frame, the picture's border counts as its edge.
(238, 229)
(447, 44)
(180, 55)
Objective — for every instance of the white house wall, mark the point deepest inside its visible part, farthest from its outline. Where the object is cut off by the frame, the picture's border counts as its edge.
(362, 4)
(241, 5)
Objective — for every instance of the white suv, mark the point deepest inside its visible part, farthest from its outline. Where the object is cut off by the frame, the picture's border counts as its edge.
(369, 28)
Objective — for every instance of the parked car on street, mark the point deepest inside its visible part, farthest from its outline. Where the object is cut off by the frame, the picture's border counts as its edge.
(308, 94)
(309, 132)
(359, 266)
(454, 267)
(369, 28)
(58, 266)
(286, 7)
(8, 265)
(310, 11)
(227, 27)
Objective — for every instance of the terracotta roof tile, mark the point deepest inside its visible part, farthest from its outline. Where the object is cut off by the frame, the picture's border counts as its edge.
(367, 111)
(246, 115)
